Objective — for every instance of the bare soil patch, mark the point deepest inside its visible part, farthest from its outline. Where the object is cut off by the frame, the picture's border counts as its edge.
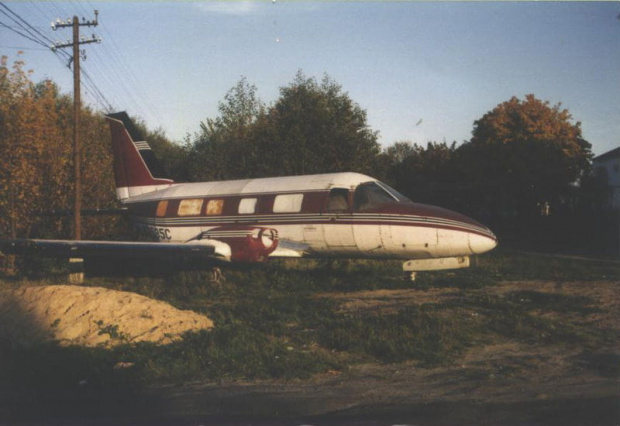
(91, 316)
(386, 301)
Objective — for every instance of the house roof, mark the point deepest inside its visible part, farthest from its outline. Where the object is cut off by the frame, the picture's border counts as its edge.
(614, 153)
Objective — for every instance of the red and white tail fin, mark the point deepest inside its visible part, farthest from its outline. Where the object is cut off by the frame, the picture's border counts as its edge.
(136, 169)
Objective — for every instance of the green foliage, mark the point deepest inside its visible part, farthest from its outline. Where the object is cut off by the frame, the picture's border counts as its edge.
(111, 330)
(423, 174)
(320, 129)
(311, 128)
(226, 146)
(173, 157)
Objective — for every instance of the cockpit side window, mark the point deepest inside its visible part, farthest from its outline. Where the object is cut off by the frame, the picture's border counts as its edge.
(394, 193)
(370, 195)
(338, 200)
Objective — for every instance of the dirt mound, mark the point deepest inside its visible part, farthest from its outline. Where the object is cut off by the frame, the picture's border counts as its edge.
(91, 316)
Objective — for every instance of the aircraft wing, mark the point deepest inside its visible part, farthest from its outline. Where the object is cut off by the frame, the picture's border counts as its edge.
(91, 249)
(230, 244)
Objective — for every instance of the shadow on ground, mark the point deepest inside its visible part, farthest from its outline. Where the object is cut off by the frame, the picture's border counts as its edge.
(41, 381)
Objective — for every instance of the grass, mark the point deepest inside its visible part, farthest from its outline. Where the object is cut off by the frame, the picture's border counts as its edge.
(270, 324)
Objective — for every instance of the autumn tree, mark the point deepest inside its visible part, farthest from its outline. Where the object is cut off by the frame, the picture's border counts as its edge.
(22, 144)
(524, 153)
(36, 175)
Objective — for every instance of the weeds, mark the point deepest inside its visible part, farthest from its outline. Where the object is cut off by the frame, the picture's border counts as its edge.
(112, 331)
(422, 334)
(270, 324)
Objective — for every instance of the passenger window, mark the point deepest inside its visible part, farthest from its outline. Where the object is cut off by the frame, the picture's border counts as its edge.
(162, 206)
(338, 200)
(214, 207)
(288, 203)
(190, 207)
(247, 206)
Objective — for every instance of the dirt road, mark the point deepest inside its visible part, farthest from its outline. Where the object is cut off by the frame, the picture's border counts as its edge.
(498, 384)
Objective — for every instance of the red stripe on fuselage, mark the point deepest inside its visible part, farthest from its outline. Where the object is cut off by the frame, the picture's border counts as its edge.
(339, 221)
(312, 213)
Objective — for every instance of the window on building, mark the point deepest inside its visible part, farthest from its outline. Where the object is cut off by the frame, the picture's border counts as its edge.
(288, 203)
(190, 207)
(214, 207)
(247, 206)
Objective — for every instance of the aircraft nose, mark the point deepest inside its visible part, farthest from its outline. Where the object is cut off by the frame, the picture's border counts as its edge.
(482, 243)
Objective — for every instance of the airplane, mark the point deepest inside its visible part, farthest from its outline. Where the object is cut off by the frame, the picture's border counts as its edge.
(335, 215)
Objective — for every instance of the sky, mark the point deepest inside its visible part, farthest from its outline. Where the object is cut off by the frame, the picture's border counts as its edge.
(422, 71)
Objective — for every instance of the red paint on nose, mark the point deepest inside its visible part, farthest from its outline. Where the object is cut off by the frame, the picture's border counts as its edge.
(441, 217)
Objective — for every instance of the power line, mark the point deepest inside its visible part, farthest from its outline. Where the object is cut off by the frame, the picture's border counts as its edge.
(24, 48)
(102, 99)
(29, 32)
(131, 86)
(23, 23)
(107, 66)
(22, 34)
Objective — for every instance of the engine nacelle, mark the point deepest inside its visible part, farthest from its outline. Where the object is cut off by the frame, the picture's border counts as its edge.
(253, 244)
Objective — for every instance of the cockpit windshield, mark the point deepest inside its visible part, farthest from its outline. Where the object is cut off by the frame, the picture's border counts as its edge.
(373, 194)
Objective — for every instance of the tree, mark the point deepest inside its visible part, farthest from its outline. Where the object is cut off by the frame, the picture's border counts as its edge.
(524, 153)
(311, 128)
(36, 175)
(424, 174)
(22, 135)
(173, 157)
(320, 129)
(224, 148)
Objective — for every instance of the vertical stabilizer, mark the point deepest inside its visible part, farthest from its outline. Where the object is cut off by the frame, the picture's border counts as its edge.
(136, 169)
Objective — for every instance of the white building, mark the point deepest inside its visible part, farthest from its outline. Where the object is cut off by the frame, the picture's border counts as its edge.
(607, 167)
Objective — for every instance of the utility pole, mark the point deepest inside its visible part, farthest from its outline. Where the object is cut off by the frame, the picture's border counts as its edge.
(77, 149)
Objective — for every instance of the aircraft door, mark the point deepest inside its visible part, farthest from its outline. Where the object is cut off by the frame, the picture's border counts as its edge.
(314, 236)
(339, 230)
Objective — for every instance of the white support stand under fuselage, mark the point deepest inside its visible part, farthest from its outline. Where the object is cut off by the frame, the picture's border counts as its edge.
(417, 265)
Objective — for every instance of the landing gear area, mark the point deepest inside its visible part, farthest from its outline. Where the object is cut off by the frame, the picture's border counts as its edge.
(217, 277)
(411, 267)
